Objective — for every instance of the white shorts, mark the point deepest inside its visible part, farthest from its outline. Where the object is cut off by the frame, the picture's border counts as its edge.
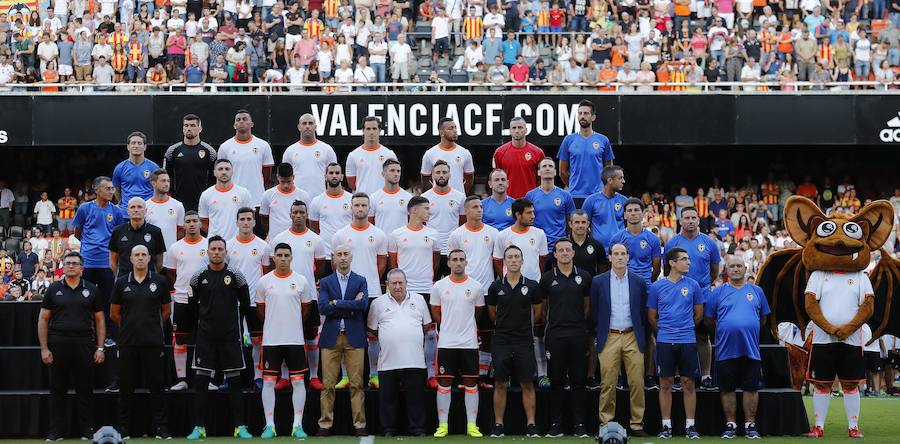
(65, 70)
(290, 40)
(400, 71)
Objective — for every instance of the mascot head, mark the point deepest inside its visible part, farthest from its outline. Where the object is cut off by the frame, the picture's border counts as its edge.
(837, 243)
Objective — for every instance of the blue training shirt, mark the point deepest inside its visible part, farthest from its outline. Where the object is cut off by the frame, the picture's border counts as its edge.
(586, 157)
(96, 225)
(674, 301)
(642, 249)
(703, 252)
(607, 215)
(551, 211)
(498, 215)
(134, 180)
(737, 312)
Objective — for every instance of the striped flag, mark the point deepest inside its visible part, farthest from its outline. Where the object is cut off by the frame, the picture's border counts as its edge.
(11, 7)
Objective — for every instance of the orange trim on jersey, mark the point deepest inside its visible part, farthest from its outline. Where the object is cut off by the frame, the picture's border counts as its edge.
(371, 150)
(413, 229)
(230, 187)
(293, 188)
(238, 239)
(193, 243)
(283, 277)
(474, 231)
(244, 143)
(300, 142)
(448, 149)
(160, 201)
(457, 282)
(388, 192)
(361, 229)
(336, 197)
(513, 229)
(300, 233)
(449, 189)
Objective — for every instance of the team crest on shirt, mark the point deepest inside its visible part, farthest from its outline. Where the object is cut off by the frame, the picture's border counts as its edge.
(487, 239)
(147, 237)
(453, 204)
(590, 249)
(596, 146)
(152, 287)
(293, 286)
(171, 211)
(146, 174)
(527, 156)
(557, 201)
(509, 212)
(684, 291)
(402, 202)
(468, 292)
(701, 247)
(308, 244)
(371, 239)
(750, 297)
(578, 280)
(441, 370)
(254, 252)
(85, 292)
(227, 280)
(255, 150)
(643, 244)
(203, 252)
(317, 154)
(201, 153)
(381, 158)
(458, 159)
(234, 199)
(346, 206)
(850, 282)
(426, 239)
(531, 241)
(618, 206)
(524, 290)
(109, 217)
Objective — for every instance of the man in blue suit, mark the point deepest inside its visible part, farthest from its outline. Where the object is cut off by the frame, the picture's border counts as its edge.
(618, 311)
(343, 297)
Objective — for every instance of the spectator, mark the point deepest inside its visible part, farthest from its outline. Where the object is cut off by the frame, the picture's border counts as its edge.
(45, 211)
(27, 262)
(498, 74)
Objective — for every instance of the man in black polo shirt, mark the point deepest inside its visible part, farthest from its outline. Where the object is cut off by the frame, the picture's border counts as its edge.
(190, 164)
(217, 295)
(514, 306)
(139, 304)
(132, 233)
(71, 331)
(566, 289)
(590, 256)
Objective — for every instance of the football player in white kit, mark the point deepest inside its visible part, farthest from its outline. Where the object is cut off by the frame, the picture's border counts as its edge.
(251, 157)
(183, 259)
(330, 211)
(477, 239)
(309, 157)
(220, 202)
(163, 210)
(249, 255)
(308, 259)
(284, 302)
(365, 162)
(462, 169)
(388, 205)
(414, 249)
(275, 209)
(447, 212)
(369, 247)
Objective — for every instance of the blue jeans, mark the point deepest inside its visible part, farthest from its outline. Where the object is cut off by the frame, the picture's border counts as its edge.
(894, 56)
(266, 10)
(878, 9)
(862, 70)
(895, 19)
(380, 72)
(578, 23)
(719, 55)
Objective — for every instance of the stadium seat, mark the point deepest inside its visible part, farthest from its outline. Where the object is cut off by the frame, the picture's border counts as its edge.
(13, 245)
(16, 231)
(423, 73)
(19, 219)
(424, 62)
(2, 232)
(459, 76)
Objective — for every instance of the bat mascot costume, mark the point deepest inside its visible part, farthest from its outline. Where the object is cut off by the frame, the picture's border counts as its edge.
(823, 281)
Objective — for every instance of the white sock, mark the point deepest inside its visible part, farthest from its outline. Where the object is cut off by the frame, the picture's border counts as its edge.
(443, 404)
(731, 424)
(430, 351)
(471, 404)
(254, 351)
(180, 356)
(312, 356)
(667, 423)
(373, 357)
(688, 422)
(484, 363)
(268, 401)
(298, 398)
(747, 425)
(540, 356)
(851, 406)
(820, 407)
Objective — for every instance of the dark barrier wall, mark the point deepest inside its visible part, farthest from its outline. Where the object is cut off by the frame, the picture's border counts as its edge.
(411, 120)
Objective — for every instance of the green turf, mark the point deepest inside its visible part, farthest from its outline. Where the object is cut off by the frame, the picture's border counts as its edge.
(880, 421)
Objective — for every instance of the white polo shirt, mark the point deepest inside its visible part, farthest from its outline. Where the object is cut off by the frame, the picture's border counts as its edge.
(445, 211)
(248, 159)
(840, 295)
(168, 215)
(458, 158)
(365, 165)
(479, 248)
(457, 301)
(283, 296)
(309, 162)
(532, 242)
(186, 259)
(415, 255)
(389, 209)
(221, 206)
(249, 258)
(399, 327)
(332, 213)
(366, 245)
(306, 247)
(277, 205)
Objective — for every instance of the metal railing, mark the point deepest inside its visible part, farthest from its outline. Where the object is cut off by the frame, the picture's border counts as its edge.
(462, 88)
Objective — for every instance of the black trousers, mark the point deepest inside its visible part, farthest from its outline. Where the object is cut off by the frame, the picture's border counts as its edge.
(412, 382)
(104, 279)
(133, 362)
(568, 359)
(73, 362)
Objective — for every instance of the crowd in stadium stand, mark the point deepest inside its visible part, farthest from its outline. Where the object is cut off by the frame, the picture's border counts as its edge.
(193, 45)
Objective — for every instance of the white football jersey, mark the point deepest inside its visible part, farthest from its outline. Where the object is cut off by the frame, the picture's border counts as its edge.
(457, 301)
(248, 159)
(283, 296)
(332, 214)
(840, 295)
(415, 255)
(532, 242)
(479, 248)
(249, 258)
(366, 245)
(221, 207)
(277, 205)
(168, 215)
(309, 162)
(389, 209)
(445, 211)
(458, 159)
(186, 259)
(366, 166)
(306, 247)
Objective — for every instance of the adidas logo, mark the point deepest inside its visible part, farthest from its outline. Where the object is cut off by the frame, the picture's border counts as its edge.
(204, 282)
(126, 290)
(892, 132)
